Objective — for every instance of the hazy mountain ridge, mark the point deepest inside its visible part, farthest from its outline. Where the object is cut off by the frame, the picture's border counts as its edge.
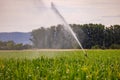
(17, 37)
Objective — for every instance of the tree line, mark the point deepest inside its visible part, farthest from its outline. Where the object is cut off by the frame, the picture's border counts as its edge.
(90, 36)
(100, 36)
(11, 45)
(54, 37)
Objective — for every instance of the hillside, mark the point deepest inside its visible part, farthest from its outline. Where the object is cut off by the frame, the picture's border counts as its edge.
(17, 37)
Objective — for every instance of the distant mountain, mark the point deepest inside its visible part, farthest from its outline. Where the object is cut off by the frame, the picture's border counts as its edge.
(17, 37)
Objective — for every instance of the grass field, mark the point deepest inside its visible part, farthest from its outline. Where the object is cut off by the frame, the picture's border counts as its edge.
(60, 65)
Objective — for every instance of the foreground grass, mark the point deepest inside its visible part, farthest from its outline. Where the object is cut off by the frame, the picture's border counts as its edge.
(60, 65)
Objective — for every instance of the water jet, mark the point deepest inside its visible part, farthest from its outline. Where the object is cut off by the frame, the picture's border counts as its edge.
(67, 26)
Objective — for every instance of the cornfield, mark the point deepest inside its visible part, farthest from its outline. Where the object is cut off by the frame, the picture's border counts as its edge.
(60, 65)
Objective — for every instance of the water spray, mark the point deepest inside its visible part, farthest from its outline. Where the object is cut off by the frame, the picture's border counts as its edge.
(67, 26)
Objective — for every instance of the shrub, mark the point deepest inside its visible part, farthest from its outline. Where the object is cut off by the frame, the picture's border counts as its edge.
(115, 46)
(96, 47)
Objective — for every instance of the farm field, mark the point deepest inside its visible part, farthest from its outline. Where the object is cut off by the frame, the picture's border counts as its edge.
(60, 65)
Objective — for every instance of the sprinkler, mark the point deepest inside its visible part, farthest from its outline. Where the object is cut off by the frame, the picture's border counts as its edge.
(67, 26)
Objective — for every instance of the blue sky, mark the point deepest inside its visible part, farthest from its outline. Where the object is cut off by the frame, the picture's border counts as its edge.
(26, 15)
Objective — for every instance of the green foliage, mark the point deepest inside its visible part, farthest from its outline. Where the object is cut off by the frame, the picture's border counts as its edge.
(96, 47)
(54, 38)
(112, 35)
(67, 65)
(88, 34)
(114, 46)
(11, 45)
